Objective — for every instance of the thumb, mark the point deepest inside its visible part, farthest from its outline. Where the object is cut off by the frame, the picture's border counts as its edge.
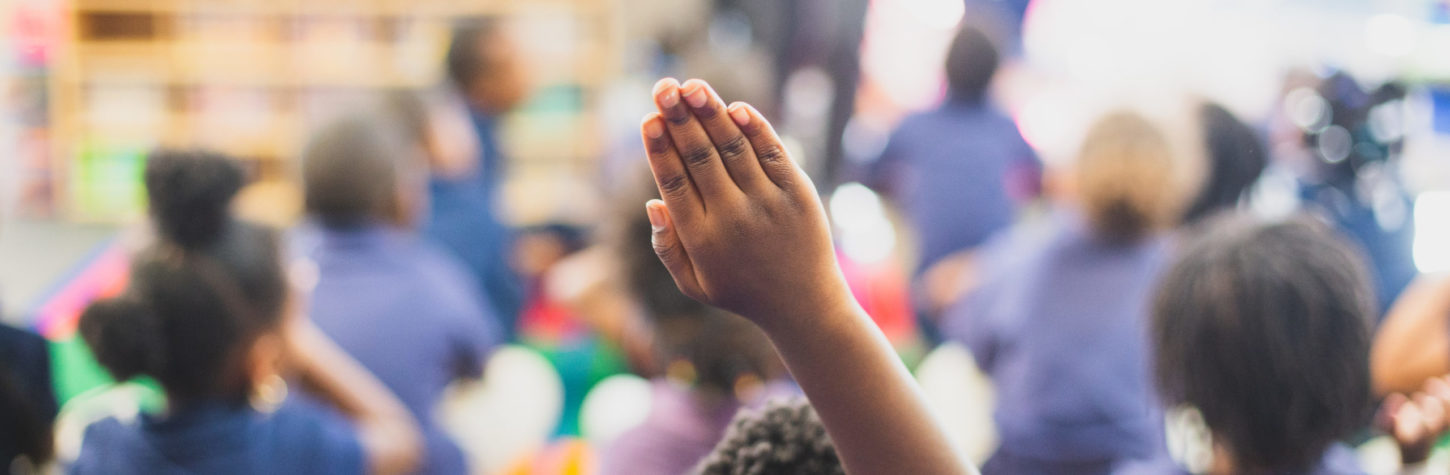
(670, 251)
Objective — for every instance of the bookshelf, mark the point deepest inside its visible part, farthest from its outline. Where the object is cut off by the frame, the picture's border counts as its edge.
(251, 78)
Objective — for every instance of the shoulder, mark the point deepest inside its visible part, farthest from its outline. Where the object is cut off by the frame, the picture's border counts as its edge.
(313, 437)
(104, 445)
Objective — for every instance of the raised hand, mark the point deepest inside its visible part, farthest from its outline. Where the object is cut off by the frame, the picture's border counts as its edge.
(740, 226)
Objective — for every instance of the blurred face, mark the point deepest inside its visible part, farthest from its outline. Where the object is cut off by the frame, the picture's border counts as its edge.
(502, 84)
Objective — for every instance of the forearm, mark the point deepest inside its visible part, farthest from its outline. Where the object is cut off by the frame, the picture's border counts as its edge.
(1413, 343)
(868, 401)
(385, 427)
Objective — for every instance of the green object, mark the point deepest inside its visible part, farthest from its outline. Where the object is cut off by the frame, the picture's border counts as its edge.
(75, 372)
(581, 364)
(107, 181)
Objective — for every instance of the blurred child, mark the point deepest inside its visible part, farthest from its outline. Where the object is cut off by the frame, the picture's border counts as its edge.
(1061, 332)
(1353, 176)
(209, 315)
(408, 312)
(1264, 329)
(782, 437)
(713, 363)
(27, 401)
(486, 73)
(740, 227)
(964, 151)
(1236, 157)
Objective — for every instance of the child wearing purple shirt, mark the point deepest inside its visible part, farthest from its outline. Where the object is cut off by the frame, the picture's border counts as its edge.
(210, 316)
(965, 151)
(408, 312)
(1062, 328)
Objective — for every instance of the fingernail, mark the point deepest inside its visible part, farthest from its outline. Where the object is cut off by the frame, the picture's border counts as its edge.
(653, 129)
(670, 97)
(740, 115)
(695, 95)
(656, 217)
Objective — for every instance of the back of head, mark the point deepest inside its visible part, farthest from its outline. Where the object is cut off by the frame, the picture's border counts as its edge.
(463, 61)
(720, 350)
(1236, 158)
(353, 170)
(199, 294)
(782, 437)
(971, 63)
(1264, 328)
(1126, 178)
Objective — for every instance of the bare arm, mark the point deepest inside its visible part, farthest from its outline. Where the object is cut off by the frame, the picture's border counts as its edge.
(1413, 343)
(741, 227)
(386, 429)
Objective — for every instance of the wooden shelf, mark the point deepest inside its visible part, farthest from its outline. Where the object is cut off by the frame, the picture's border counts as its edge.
(247, 77)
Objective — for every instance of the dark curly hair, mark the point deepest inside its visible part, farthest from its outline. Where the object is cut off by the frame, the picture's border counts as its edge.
(785, 436)
(1265, 329)
(200, 294)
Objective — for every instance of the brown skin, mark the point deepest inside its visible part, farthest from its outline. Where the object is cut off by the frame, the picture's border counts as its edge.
(1417, 421)
(742, 228)
(1413, 343)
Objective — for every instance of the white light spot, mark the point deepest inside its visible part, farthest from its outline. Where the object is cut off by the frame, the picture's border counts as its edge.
(940, 14)
(1432, 231)
(1390, 35)
(866, 235)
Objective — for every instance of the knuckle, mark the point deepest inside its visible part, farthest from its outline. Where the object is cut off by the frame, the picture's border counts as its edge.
(772, 155)
(675, 186)
(698, 155)
(734, 148)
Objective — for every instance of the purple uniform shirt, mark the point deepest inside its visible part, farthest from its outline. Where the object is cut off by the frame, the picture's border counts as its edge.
(958, 173)
(680, 430)
(218, 438)
(410, 314)
(1060, 324)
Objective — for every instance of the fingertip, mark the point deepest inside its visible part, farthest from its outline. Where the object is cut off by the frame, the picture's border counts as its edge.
(651, 126)
(667, 92)
(739, 113)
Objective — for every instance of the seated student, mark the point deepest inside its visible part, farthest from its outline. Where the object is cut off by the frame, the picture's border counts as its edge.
(713, 363)
(1236, 157)
(1264, 328)
(741, 227)
(27, 401)
(209, 315)
(964, 151)
(1060, 331)
(782, 437)
(1353, 178)
(409, 313)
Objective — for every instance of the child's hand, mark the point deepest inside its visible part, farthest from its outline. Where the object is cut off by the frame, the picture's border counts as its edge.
(741, 226)
(1417, 422)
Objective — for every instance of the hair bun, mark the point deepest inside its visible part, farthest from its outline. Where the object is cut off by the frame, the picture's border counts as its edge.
(124, 336)
(190, 193)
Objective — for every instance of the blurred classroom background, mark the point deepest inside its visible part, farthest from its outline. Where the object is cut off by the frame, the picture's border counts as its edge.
(88, 87)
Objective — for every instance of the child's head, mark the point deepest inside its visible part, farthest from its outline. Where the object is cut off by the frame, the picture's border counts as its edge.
(202, 297)
(363, 169)
(1236, 157)
(719, 352)
(1126, 178)
(782, 437)
(1264, 328)
(484, 65)
(971, 63)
